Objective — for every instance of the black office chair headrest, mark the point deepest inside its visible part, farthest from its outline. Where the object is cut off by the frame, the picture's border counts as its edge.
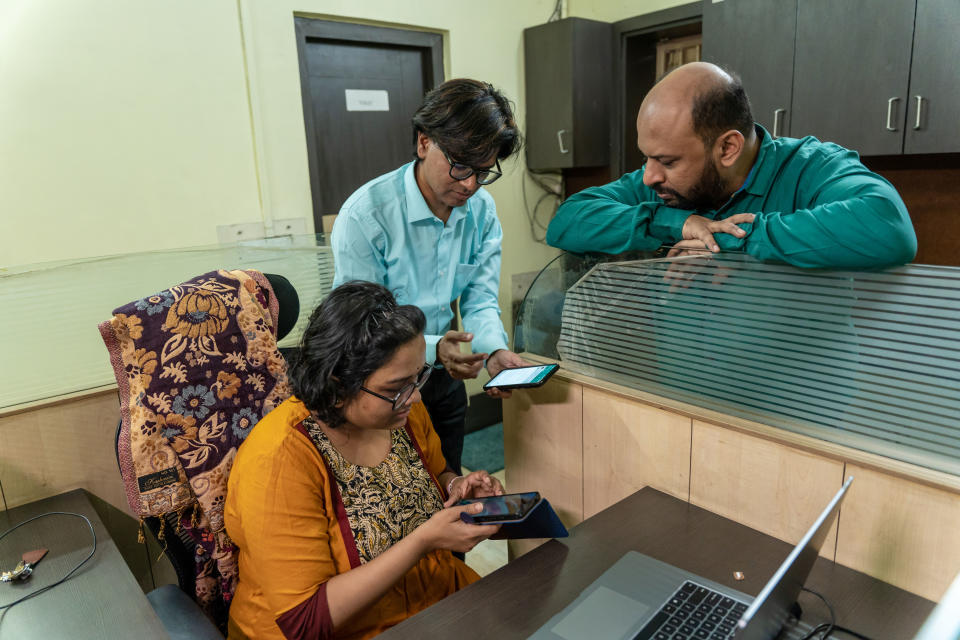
(289, 303)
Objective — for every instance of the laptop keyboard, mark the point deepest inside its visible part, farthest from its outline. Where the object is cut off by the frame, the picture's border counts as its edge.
(694, 612)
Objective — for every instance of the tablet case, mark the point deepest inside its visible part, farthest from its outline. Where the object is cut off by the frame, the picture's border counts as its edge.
(540, 522)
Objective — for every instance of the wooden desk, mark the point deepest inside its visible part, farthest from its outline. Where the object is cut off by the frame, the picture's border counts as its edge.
(101, 600)
(517, 599)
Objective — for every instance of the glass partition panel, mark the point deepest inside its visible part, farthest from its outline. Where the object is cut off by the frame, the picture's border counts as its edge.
(869, 360)
(50, 345)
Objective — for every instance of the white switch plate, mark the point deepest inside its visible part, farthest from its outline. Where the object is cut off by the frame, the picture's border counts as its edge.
(230, 233)
(290, 227)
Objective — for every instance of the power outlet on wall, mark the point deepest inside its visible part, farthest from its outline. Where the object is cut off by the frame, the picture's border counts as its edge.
(290, 227)
(230, 233)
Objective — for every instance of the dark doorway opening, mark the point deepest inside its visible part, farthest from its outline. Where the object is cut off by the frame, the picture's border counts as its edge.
(360, 86)
(637, 40)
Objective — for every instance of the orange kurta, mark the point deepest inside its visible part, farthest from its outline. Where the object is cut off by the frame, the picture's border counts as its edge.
(282, 512)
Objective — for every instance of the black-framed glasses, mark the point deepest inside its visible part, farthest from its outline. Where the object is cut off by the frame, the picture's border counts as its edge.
(460, 171)
(406, 392)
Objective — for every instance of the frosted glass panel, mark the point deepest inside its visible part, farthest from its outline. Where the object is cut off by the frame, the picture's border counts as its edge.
(50, 345)
(865, 359)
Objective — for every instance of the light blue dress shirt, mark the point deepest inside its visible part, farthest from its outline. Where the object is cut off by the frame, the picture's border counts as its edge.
(386, 233)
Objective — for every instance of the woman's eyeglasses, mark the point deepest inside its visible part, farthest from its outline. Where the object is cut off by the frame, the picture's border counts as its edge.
(403, 396)
(460, 171)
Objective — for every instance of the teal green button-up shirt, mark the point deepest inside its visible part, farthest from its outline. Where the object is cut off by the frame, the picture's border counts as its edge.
(386, 233)
(815, 203)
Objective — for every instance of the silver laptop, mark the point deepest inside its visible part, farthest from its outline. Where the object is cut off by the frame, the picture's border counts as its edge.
(640, 598)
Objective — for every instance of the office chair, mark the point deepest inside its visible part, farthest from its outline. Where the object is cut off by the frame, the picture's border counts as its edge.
(186, 406)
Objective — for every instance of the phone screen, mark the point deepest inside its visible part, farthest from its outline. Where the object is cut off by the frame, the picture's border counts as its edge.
(522, 376)
(512, 506)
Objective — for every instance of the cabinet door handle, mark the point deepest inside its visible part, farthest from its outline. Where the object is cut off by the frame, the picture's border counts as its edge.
(776, 121)
(916, 124)
(890, 103)
(560, 133)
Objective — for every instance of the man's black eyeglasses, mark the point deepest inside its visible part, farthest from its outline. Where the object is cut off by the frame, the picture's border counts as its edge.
(460, 171)
(404, 394)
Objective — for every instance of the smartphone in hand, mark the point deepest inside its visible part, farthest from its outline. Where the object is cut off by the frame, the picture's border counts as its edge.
(522, 377)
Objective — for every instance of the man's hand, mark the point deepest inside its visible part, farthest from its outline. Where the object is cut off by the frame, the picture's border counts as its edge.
(702, 229)
(459, 365)
(500, 360)
(687, 248)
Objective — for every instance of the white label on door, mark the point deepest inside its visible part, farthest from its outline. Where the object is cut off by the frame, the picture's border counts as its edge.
(367, 100)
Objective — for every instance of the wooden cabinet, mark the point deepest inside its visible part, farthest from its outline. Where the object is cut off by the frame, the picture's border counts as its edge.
(876, 77)
(933, 103)
(851, 73)
(568, 84)
(755, 39)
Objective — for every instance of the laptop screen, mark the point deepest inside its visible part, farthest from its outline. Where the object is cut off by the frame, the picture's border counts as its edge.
(767, 614)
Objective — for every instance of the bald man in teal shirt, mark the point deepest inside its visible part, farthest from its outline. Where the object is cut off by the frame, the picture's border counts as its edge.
(714, 180)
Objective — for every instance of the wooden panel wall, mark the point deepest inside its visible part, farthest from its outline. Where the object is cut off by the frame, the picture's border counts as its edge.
(543, 449)
(628, 446)
(932, 195)
(56, 448)
(586, 448)
(901, 532)
(765, 485)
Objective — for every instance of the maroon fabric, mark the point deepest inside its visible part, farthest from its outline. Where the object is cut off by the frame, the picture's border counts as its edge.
(309, 619)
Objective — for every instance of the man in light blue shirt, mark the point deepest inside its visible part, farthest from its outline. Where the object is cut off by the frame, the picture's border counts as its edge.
(430, 234)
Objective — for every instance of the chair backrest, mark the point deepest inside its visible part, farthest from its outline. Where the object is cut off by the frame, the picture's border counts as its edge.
(197, 366)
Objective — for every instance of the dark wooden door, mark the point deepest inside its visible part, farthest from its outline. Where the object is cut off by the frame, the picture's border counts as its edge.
(851, 72)
(933, 125)
(360, 88)
(755, 39)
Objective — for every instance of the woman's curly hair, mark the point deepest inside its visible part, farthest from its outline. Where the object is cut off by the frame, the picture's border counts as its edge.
(354, 332)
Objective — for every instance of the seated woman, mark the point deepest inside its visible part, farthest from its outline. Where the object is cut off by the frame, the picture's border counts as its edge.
(339, 500)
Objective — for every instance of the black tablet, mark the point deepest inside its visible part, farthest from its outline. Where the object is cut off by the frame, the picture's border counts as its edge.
(497, 509)
(522, 377)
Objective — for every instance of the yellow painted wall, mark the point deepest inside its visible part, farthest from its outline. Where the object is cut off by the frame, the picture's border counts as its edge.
(131, 126)
(125, 127)
(614, 10)
(478, 43)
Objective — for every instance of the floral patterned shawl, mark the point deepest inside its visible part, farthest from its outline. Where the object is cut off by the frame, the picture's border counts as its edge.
(197, 366)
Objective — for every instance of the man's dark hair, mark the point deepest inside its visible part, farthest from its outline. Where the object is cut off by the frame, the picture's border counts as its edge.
(470, 120)
(354, 332)
(720, 108)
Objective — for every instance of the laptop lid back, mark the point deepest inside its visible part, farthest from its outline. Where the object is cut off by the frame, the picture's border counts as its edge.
(767, 614)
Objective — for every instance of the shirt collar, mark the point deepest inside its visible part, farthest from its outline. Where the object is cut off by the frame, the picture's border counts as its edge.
(762, 172)
(417, 207)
